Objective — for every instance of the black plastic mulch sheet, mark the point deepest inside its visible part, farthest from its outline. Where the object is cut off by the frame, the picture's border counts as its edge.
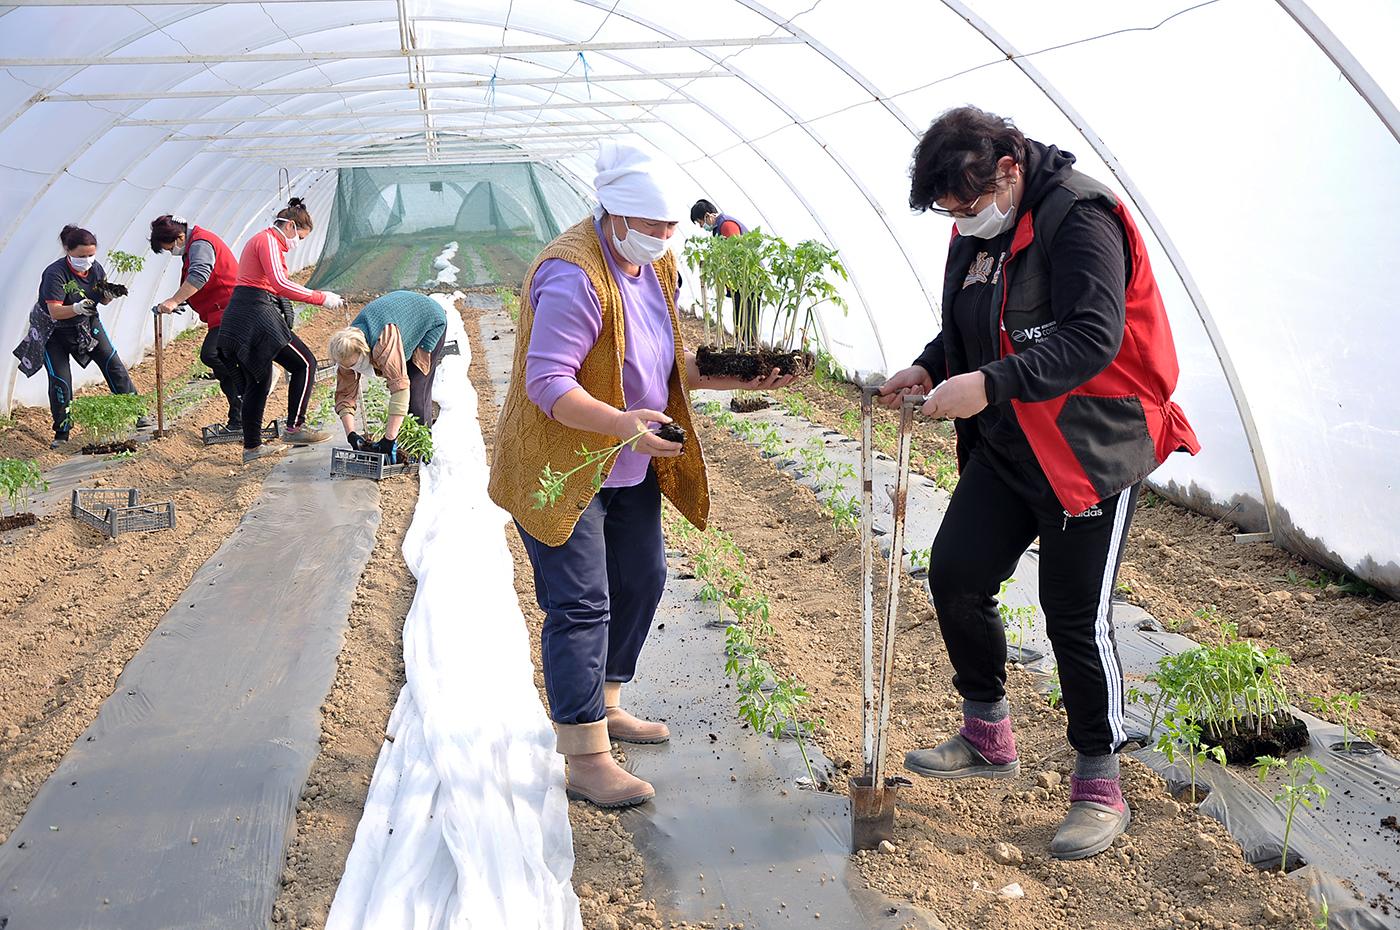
(728, 807)
(172, 809)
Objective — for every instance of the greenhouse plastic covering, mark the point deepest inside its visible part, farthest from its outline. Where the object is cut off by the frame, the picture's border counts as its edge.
(1255, 142)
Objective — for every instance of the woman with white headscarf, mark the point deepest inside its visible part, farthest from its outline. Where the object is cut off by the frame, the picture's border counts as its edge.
(599, 360)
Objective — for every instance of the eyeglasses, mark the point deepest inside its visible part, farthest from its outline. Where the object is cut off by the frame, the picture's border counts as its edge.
(969, 209)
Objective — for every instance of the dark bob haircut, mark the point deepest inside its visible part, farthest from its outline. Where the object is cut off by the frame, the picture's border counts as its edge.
(958, 156)
(702, 209)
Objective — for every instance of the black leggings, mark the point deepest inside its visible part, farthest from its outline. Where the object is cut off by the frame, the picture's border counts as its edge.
(230, 377)
(60, 347)
(998, 508)
(300, 363)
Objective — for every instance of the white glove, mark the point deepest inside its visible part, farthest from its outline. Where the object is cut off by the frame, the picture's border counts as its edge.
(333, 301)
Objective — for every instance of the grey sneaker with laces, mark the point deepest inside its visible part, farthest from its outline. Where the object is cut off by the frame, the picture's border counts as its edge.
(305, 436)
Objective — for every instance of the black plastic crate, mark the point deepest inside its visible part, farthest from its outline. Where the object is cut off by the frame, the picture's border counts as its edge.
(114, 511)
(348, 463)
(213, 435)
(451, 348)
(325, 369)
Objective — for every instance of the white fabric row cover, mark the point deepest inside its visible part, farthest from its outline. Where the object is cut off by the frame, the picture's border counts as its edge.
(1239, 123)
(466, 825)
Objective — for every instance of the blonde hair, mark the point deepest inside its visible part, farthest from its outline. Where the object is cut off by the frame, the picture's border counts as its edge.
(347, 344)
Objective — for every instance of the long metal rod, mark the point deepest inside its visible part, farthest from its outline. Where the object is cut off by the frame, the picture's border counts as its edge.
(867, 580)
(444, 131)
(892, 578)
(85, 61)
(412, 137)
(1368, 87)
(400, 113)
(233, 92)
(1198, 300)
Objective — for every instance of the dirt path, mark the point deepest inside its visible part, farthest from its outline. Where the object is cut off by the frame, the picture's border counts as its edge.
(78, 606)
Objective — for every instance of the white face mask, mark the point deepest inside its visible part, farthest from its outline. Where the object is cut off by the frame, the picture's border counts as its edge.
(81, 264)
(638, 248)
(363, 365)
(177, 250)
(289, 232)
(989, 222)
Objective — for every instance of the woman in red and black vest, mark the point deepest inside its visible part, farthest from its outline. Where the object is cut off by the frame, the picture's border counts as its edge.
(208, 270)
(1056, 363)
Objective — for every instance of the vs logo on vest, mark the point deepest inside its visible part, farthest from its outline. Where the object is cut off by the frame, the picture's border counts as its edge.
(1034, 333)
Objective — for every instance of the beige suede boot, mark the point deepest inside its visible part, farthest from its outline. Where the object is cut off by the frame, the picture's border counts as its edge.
(623, 726)
(593, 774)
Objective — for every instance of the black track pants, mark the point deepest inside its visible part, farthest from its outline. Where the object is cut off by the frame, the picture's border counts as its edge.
(999, 507)
(300, 363)
(229, 376)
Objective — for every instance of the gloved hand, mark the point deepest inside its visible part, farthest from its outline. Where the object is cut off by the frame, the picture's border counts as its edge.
(389, 448)
(86, 307)
(358, 442)
(333, 300)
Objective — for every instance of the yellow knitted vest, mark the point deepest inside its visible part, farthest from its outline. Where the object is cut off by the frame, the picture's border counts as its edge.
(527, 440)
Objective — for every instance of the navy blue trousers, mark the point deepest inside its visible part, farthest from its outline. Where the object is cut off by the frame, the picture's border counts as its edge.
(599, 592)
(60, 347)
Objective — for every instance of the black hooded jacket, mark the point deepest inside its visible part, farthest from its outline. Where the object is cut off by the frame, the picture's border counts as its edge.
(1090, 267)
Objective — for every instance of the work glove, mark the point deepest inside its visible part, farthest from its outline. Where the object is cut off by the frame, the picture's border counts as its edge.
(357, 442)
(333, 301)
(86, 307)
(389, 448)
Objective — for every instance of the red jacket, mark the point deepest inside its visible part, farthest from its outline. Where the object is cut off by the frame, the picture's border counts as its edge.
(211, 299)
(264, 266)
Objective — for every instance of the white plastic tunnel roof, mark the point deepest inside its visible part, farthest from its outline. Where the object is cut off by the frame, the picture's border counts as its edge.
(1256, 141)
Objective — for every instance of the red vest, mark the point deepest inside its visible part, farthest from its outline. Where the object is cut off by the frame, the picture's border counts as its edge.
(211, 299)
(1118, 426)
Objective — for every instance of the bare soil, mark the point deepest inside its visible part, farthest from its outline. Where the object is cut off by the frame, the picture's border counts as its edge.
(77, 606)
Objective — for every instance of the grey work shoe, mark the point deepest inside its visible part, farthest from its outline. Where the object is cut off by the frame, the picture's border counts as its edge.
(305, 436)
(252, 455)
(144, 422)
(957, 758)
(1088, 829)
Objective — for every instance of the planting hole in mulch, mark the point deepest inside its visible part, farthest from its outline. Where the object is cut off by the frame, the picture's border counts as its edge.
(16, 521)
(1357, 747)
(108, 448)
(751, 403)
(1182, 793)
(731, 363)
(1275, 739)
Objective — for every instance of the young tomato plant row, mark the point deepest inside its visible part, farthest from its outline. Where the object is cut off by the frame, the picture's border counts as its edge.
(20, 479)
(769, 702)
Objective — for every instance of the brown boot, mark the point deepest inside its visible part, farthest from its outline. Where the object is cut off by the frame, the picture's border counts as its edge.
(593, 774)
(623, 726)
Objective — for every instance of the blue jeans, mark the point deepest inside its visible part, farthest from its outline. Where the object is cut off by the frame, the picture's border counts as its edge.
(599, 592)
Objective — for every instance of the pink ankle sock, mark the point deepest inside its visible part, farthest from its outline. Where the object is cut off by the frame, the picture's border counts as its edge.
(994, 741)
(1108, 791)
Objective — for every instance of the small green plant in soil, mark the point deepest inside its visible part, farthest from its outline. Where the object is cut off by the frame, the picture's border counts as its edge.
(1055, 696)
(1343, 707)
(511, 301)
(945, 473)
(321, 409)
(919, 559)
(1182, 740)
(20, 480)
(1016, 620)
(799, 406)
(126, 455)
(844, 508)
(107, 419)
(1300, 788)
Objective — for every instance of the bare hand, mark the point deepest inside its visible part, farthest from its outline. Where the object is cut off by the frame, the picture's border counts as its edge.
(958, 398)
(775, 379)
(912, 380)
(638, 423)
(168, 306)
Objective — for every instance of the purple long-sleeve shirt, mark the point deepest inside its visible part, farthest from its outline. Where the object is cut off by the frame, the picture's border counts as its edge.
(568, 321)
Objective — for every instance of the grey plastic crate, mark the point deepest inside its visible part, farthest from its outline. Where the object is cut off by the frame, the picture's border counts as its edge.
(213, 437)
(114, 511)
(451, 348)
(348, 463)
(325, 369)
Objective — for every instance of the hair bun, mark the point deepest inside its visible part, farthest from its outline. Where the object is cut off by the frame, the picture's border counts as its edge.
(296, 202)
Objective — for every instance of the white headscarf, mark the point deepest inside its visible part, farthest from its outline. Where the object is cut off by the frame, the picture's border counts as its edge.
(634, 182)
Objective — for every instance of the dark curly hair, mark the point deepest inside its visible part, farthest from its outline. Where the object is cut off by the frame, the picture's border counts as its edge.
(958, 156)
(702, 209)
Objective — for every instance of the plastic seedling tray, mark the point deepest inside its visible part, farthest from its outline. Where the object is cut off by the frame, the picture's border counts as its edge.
(114, 511)
(351, 464)
(214, 435)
